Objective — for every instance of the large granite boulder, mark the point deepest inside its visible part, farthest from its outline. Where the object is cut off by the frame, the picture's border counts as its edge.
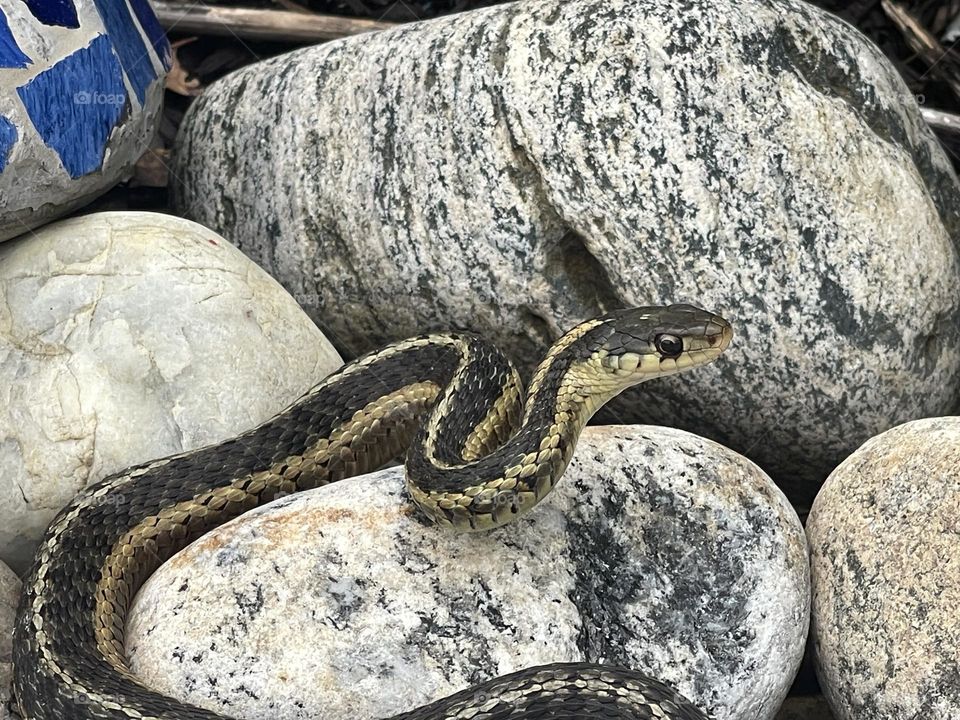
(659, 550)
(884, 540)
(130, 336)
(81, 86)
(520, 168)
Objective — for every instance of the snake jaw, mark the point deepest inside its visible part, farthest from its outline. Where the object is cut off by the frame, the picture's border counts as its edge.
(629, 362)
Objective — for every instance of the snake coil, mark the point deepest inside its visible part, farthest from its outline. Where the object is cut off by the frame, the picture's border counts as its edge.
(479, 456)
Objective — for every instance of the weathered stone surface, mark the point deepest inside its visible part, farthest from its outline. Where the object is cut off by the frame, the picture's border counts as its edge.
(9, 595)
(81, 88)
(126, 337)
(659, 550)
(520, 168)
(805, 708)
(884, 538)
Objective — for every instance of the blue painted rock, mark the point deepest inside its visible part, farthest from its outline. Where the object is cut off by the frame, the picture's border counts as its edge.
(80, 91)
(517, 169)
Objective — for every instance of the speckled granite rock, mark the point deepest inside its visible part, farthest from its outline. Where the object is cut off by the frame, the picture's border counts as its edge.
(805, 708)
(9, 596)
(884, 539)
(8, 709)
(659, 550)
(520, 168)
(130, 336)
(81, 86)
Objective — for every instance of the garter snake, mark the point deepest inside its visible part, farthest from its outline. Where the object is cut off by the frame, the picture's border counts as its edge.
(481, 452)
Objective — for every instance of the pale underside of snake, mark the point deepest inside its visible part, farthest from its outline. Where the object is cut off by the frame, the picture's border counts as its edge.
(481, 453)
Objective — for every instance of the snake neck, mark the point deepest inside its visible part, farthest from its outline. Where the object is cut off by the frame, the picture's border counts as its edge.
(456, 488)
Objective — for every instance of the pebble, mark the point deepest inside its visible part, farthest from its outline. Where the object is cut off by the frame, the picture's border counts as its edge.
(9, 597)
(518, 169)
(81, 90)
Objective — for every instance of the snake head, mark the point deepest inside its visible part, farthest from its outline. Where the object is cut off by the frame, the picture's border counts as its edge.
(645, 342)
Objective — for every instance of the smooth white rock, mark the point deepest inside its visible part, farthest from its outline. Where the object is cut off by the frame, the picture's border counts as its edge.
(126, 337)
(518, 169)
(78, 105)
(884, 546)
(659, 550)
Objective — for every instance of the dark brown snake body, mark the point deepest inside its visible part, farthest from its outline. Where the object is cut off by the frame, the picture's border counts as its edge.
(478, 457)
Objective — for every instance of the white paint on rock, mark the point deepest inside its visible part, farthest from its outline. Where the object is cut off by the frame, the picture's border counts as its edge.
(130, 336)
(884, 540)
(659, 550)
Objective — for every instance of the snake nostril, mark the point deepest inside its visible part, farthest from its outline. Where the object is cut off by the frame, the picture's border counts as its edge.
(720, 339)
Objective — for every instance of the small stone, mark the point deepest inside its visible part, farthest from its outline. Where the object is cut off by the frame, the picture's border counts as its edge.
(518, 169)
(80, 95)
(884, 539)
(9, 597)
(126, 337)
(659, 550)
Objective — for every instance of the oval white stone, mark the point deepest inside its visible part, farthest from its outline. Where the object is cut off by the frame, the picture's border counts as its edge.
(126, 337)
(658, 550)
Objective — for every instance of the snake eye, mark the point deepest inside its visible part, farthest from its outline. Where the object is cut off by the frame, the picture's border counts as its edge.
(670, 346)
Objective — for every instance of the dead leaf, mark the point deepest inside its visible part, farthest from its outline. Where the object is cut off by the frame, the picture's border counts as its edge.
(152, 169)
(178, 79)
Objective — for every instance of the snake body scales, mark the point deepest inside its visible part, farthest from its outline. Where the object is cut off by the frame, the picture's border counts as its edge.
(479, 455)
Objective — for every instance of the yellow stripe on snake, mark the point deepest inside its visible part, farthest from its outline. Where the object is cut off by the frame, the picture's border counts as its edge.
(480, 455)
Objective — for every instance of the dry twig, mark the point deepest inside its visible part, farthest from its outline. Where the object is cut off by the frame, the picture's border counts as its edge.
(248, 23)
(941, 62)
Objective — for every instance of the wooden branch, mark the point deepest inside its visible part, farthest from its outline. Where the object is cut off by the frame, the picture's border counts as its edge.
(940, 120)
(940, 60)
(252, 24)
